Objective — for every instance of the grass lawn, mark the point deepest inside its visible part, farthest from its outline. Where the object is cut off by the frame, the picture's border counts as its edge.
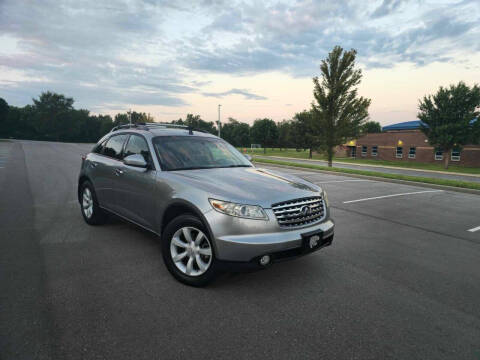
(401, 163)
(427, 180)
(284, 152)
(413, 165)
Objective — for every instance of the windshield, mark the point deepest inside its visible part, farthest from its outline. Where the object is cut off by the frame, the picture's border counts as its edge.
(190, 152)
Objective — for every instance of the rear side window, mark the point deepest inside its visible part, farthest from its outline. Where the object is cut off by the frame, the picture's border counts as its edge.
(114, 146)
(137, 145)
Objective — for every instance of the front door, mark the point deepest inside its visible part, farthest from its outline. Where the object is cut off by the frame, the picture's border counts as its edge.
(135, 186)
(353, 151)
(112, 161)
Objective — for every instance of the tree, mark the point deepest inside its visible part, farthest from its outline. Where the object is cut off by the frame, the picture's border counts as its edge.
(3, 118)
(265, 132)
(337, 109)
(51, 115)
(309, 130)
(449, 117)
(371, 127)
(121, 119)
(285, 128)
(196, 122)
(236, 133)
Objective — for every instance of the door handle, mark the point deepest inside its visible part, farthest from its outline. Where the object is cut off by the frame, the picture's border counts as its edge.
(118, 172)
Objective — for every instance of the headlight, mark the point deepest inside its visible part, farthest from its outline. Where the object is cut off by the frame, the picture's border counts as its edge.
(324, 197)
(239, 210)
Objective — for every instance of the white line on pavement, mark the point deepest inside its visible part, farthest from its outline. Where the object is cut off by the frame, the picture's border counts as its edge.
(474, 229)
(392, 195)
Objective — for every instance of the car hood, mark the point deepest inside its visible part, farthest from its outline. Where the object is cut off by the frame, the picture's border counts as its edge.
(252, 185)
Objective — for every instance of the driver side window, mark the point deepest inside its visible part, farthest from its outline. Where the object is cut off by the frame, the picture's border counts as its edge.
(137, 145)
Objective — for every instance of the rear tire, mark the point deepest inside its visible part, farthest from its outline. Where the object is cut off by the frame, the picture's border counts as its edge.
(91, 212)
(188, 251)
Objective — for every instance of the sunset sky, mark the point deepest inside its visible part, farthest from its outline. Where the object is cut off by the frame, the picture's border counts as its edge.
(256, 58)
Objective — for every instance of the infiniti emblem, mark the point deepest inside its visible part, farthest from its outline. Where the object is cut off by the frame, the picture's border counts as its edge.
(305, 210)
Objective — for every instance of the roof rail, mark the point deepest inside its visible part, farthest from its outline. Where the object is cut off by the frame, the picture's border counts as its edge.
(150, 125)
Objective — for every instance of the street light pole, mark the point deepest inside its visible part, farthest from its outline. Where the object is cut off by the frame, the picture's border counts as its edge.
(219, 123)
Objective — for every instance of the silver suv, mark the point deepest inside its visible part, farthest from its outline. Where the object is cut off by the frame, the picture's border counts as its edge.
(212, 208)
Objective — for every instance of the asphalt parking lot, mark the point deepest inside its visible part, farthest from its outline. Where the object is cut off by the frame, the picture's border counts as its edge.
(401, 281)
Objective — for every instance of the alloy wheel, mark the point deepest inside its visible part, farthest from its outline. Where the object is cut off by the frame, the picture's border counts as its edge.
(87, 203)
(191, 251)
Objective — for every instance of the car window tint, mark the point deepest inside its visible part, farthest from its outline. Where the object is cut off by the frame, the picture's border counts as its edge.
(191, 152)
(137, 145)
(114, 146)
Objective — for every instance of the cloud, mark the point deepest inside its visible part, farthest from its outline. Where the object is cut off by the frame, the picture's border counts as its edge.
(295, 37)
(246, 94)
(101, 55)
(157, 52)
(386, 8)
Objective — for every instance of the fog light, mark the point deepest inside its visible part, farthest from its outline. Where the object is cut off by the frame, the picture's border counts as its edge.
(264, 260)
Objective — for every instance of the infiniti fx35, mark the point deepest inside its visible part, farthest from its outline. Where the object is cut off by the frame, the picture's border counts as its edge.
(211, 207)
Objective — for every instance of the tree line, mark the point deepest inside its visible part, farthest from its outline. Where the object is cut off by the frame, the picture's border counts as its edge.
(337, 114)
(52, 117)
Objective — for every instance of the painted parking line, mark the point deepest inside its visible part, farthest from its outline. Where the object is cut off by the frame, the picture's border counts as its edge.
(392, 195)
(474, 229)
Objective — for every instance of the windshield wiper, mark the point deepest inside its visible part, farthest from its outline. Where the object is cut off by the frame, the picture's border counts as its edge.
(237, 166)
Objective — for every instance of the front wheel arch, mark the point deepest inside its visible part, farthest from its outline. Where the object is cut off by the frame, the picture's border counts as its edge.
(182, 207)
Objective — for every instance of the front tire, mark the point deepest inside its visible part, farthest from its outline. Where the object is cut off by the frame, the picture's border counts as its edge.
(188, 251)
(92, 213)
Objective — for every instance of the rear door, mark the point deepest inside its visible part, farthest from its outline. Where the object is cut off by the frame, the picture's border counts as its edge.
(111, 162)
(135, 187)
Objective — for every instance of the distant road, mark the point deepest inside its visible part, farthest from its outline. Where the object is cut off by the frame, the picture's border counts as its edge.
(388, 170)
(400, 281)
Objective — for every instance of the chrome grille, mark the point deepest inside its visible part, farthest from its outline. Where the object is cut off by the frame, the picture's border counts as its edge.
(293, 213)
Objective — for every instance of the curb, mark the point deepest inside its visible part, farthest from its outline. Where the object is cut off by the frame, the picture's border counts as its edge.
(376, 178)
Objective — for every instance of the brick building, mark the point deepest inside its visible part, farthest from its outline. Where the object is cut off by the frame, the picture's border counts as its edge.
(406, 142)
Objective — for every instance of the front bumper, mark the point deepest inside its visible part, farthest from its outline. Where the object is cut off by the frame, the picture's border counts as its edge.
(247, 245)
(254, 264)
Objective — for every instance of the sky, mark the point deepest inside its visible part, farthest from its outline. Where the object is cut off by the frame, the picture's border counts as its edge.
(255, 58)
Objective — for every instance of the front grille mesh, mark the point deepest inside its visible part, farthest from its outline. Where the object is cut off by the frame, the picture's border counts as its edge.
(290, 214)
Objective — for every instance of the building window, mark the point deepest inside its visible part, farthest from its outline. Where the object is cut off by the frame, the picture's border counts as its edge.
(399, 152)
(438, 155)
(455, 155)
(374, 150)
(364, 150)
(412, 153)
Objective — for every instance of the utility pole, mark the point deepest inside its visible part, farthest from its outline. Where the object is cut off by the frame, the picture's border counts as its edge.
(130, 116)
(219, 123)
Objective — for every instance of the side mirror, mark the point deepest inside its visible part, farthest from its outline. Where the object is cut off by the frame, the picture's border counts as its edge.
(136, 160)
(249, 158)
